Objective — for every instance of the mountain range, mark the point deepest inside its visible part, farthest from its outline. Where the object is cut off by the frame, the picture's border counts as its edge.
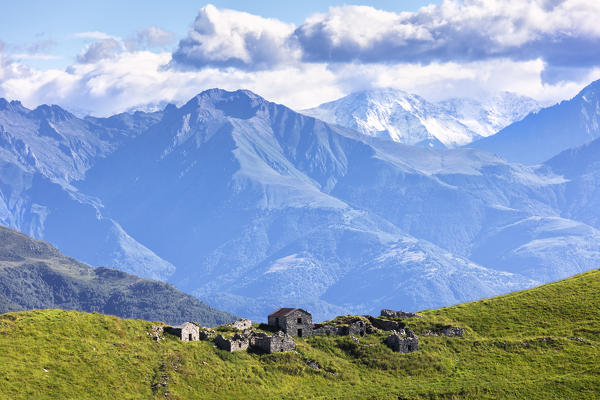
(410, 119)
(250, 205)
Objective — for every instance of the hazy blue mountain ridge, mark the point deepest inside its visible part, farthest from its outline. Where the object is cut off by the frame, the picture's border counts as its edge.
(251, 206)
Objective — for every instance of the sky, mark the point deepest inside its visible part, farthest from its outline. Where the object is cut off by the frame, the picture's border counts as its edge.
(104, 57)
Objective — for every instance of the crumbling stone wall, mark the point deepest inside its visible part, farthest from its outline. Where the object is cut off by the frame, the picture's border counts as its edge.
(242, 324)
(385, 324)
(398, 314)
(357, 327)
(279, 342)
(237, 343)
(403, 343)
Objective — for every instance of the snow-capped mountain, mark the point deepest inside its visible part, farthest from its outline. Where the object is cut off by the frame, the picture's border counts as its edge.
(410, 119)
(544, 134)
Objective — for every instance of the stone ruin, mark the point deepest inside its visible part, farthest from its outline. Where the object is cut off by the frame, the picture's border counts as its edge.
(403, 342)
(356, 327)
(237, 343)
(398, 314)
(385, 324)
(400, 340)
(241, 324)
(277, 343)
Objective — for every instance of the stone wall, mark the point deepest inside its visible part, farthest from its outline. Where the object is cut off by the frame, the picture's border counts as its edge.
(277, 343)
(242, 324)
(237, 343)
(358, 327)
(398, 314)
(385, 324)
(403, 343)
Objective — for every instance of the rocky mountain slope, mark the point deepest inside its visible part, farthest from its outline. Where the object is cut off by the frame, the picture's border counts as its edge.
(410, 119)
(259, 206)
(33, 274)
(42, 152)
(541, 343)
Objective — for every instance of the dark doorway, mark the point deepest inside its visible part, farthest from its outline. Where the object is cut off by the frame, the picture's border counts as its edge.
(191, 337)
(299, 332)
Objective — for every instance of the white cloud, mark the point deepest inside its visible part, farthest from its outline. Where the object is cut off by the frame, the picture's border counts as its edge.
(561, 32)
(232, 50)
(232, 38)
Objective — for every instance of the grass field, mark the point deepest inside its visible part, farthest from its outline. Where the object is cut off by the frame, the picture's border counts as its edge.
(542, 343)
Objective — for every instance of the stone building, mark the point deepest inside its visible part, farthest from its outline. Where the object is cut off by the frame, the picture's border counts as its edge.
(187, 331)
(356, 327)
(293, 321)
(277, 343)
(237, 343)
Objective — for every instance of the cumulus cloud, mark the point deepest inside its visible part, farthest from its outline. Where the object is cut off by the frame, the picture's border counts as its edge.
(561, 32)
(227, 38)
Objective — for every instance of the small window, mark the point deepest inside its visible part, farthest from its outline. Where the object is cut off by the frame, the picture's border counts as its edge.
(299, 320)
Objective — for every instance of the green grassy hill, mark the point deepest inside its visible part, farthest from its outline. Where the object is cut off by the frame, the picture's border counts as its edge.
(33, 274)
(542, 343)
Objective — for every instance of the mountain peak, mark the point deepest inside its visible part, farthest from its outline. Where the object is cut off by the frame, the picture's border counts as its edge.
(13, 105)
(242, 103)
(52, 112)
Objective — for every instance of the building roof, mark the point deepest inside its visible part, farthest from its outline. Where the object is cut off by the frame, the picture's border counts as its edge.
(284, 312)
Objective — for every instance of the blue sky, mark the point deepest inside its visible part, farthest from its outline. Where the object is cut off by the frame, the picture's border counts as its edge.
(59, 20)
(110, 56)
